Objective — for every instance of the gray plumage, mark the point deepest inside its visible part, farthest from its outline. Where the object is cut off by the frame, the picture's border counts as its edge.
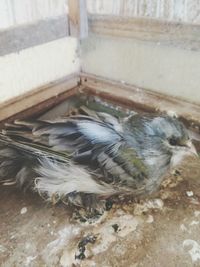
(93, 154)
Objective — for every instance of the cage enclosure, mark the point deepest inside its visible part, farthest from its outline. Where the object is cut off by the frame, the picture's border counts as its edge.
(117, 57)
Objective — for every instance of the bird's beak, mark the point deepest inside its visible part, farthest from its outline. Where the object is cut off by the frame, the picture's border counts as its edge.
(192, 148)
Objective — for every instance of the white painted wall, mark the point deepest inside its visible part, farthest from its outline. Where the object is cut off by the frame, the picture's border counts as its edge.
(172, 10)
(17, 12)
(152, 65)
(168, 70)
(165, 69)
(36, 66)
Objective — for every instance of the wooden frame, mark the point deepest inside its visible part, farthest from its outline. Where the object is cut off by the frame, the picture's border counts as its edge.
(186, 36)
(141, 99)
(44, 98)
(78, 21)
(37, 100)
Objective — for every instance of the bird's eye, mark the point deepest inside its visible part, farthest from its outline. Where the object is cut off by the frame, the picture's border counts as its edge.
(172, 141)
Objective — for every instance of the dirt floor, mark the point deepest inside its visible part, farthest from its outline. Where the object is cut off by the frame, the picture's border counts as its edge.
(163, 230)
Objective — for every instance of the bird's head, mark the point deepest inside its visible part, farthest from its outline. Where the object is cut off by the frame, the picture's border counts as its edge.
(174, 136)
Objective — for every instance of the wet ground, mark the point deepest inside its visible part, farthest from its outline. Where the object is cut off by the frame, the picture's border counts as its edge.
(163, 230)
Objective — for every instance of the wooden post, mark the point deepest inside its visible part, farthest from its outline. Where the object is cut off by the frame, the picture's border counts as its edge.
(78, 21)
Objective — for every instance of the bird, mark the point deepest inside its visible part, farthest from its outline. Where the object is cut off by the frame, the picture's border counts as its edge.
(89, 157)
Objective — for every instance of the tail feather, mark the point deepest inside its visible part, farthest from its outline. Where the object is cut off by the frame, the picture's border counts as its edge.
(40, 168)
(15, 167)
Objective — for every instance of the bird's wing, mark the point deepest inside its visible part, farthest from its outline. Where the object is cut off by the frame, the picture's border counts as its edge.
(74, 134)
(79, 137)
(95, 139)
(50, 173)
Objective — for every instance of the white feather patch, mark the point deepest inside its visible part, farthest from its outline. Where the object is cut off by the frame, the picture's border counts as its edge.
(96, 132)
(64, 178)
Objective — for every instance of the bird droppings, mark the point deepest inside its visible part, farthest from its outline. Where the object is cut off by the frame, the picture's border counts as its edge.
(2, 249)
(115, 227)
(196, 213)
(190, 193)
(52, 232)
(80, 254)
(172, 114)
(172, 181)
(183, 228)
(194, 223)
(127, 224)
(193, 249)
(29, 259)
(88, 219)
(150, 219)
(145, 206)
(27, 246)
(146, 226)
(135, 233)
(23, 210)
(62, 250)
(112, 230)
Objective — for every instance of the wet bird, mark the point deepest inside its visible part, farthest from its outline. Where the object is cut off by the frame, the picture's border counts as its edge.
(89, 158)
